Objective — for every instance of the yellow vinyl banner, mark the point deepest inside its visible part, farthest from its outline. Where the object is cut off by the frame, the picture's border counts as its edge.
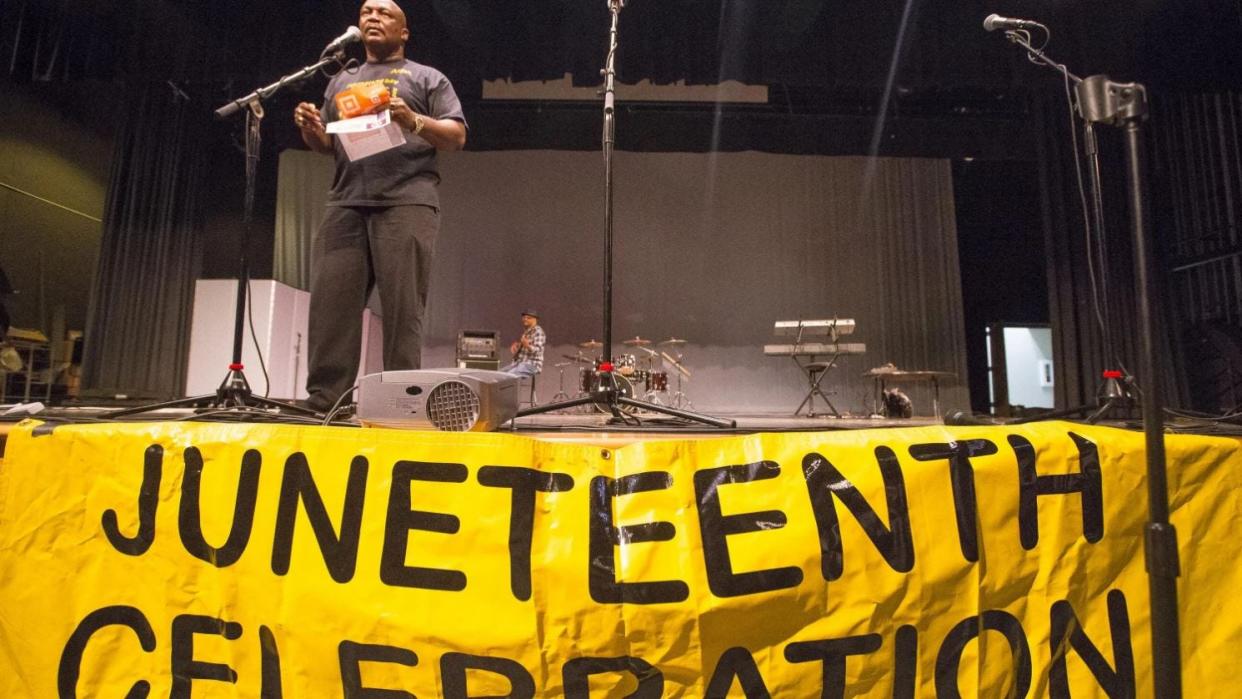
(230, 560)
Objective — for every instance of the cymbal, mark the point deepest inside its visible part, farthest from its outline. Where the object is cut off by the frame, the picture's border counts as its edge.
(577, 359)
(673, 342)
(636, 342)
(591, 344)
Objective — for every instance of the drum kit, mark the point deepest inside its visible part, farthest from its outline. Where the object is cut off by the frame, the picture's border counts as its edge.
(641, 373)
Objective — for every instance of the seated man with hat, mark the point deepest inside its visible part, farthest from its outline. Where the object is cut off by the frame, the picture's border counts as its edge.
(528, 349)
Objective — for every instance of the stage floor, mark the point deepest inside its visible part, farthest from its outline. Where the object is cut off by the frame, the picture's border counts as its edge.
(584, 428)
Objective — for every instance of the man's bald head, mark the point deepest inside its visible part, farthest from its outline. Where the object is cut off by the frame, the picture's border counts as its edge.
(392, 7)
(384, 29)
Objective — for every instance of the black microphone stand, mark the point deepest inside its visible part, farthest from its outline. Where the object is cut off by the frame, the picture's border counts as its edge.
(234, 391)
(605, 392)
(1114, 393)
(1124, 106)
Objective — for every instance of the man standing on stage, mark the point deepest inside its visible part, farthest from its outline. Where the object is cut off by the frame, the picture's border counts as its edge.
(528, 350)
(383, 212)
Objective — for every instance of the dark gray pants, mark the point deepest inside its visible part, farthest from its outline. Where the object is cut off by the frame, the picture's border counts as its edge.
(356, 249)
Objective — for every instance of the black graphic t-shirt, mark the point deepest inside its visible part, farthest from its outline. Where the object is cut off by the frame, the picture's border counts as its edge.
(406, 174)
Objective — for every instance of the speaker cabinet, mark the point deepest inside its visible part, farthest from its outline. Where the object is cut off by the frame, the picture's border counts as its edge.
(450, 400)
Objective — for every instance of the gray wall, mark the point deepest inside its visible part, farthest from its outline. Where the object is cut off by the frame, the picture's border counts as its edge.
(711, 247)
(49, 253)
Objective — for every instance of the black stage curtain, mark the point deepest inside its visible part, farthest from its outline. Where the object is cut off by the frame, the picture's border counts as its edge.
(61, 41)
(1199, 158)
(1198, 168)
(1091, 281)
(138, 326)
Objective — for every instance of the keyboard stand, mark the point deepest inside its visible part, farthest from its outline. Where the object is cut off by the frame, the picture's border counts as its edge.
(815, 372)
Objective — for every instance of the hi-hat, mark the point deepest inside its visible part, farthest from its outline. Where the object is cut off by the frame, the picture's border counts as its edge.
(591, 344)
(579, 359)
(673, 342)
(636, 342)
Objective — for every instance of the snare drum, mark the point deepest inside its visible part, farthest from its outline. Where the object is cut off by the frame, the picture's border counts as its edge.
(657, 381)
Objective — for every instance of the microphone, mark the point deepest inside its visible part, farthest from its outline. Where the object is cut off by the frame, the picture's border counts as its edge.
(351, 35)
(993, 22)
(962, 418)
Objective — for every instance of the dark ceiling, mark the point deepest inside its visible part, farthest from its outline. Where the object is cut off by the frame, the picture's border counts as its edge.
(831, 65)
(829, 44)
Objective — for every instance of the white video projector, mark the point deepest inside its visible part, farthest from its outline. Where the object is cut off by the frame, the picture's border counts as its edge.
(450, 400)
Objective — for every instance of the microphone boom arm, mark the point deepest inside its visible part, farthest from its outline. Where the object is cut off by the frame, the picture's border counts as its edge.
(1038, 56)
(261, 94)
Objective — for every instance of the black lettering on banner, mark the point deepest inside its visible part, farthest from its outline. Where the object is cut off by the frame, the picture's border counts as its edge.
(148, 501)
(454, 667)
(967, 630)
(402, 519)
(577, 676)
(906, 662)
(894, 542)
(185, 669)
(737, 662)
(1032, 485)
(524, 482)
(832, 653)
(71, 657)
(340, 552)
(962, 475)
(190, 521)
(269, 656)
(605, 537)
(351, 655)
(715, 528)
(1117, 684)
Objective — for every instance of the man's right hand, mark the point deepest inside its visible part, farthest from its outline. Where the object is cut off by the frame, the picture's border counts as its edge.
(307, 118)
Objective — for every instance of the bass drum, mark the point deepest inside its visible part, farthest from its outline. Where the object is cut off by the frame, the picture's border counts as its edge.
(625, 388)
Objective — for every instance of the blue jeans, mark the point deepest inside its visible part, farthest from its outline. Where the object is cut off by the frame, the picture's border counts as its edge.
(520, 369)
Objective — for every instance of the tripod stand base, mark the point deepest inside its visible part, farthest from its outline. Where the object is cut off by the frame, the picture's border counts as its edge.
(234, 392)
(1099, 412)
(612, 401)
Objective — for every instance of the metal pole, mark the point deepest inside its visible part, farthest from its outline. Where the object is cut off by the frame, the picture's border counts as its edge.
(610, 133)
(1161, 537)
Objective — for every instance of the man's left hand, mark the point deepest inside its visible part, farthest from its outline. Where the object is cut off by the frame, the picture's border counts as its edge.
(401, 113)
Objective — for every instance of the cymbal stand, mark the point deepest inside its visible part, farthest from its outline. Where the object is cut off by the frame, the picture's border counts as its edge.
(680, 399)
(645, 374)
(560, 393)
(605, 392)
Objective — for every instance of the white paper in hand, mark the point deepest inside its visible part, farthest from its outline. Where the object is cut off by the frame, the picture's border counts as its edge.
(367, 135)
